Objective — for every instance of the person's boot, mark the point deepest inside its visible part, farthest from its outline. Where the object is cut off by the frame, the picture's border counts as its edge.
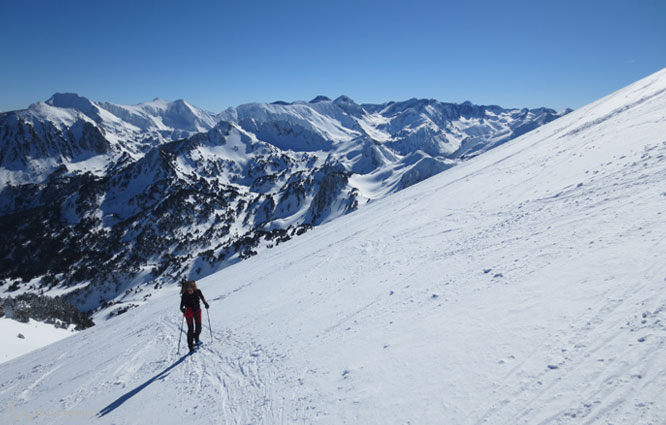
(190, 340)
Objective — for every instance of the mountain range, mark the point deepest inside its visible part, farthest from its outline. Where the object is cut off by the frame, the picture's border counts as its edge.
(99, 201)
(525, 285)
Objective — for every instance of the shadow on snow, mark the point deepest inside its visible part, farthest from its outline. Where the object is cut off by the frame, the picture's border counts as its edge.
(118, 402)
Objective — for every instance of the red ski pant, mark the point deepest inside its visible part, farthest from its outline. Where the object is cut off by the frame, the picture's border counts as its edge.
(192, 331)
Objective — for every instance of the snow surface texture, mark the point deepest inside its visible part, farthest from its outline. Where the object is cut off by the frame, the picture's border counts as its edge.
(525, 286)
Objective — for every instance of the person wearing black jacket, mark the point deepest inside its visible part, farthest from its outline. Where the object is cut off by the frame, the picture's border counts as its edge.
(189, 305)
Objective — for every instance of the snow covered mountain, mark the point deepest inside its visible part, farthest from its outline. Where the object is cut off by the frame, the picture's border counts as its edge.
(414, 139)
(99, 200)
(69, 132)
(523, 286)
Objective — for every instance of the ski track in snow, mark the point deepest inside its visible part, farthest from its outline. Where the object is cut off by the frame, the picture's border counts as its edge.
(525, 286)
(231, 378)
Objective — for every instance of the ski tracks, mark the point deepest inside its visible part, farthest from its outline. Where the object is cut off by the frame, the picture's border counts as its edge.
(238, 381)
(614, 356)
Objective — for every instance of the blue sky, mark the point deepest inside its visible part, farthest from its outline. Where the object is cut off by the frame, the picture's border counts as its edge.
(218, 54)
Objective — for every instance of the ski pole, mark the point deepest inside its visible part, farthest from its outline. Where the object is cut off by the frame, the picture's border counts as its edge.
(180, 335)
(209, 328)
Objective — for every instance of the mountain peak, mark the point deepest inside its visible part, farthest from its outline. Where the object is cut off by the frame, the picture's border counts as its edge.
(344, 99)
(180, 106)
(68, 100)
(76, 102)
(320, 98)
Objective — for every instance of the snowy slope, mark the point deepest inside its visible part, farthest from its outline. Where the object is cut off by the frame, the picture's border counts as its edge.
(21, 338)
(524, 286)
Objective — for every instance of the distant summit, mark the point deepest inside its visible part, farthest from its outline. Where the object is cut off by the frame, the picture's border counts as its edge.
(68, 100)
(320, 99)
(76, 102)
(344, 99)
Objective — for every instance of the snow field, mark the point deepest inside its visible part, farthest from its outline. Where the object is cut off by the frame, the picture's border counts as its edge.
(35, 335)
